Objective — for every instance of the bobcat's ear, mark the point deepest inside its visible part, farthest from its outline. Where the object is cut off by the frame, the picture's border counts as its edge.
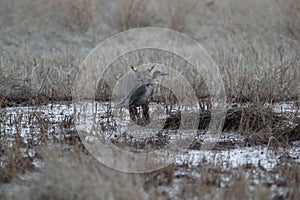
(133, 68)
(151, 68)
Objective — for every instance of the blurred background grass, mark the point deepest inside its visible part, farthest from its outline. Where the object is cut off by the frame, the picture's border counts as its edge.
(255, 44)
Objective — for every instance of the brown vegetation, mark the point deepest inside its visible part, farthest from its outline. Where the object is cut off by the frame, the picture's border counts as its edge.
(42, 44)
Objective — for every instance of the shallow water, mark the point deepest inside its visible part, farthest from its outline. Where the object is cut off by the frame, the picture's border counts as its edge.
(55, 121)
(256, 156)
(227, 154)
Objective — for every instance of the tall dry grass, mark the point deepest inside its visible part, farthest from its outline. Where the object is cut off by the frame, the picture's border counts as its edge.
(43, 43)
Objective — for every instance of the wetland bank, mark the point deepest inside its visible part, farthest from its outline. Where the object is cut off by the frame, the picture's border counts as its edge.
(256, 47)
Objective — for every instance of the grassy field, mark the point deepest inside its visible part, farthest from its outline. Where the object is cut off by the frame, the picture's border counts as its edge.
(256, 45)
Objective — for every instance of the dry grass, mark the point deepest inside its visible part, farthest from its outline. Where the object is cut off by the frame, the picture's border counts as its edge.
(73, 174)
(42, 44)
(18, 160)
(257, 64)
(21, 132)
